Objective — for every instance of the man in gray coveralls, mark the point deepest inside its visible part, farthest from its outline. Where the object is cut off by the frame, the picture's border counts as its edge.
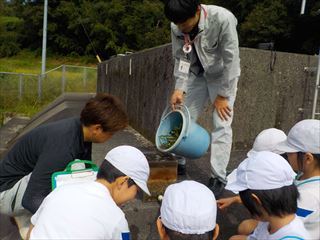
(207, 66)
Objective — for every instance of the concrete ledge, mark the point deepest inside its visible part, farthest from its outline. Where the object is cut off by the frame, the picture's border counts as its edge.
(9, 131)
(272, 90)
(67, 105)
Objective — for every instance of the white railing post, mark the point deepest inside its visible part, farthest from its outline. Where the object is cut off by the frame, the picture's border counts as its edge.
(40, 76)
(85, 75)
(20, 86)
(63, 79)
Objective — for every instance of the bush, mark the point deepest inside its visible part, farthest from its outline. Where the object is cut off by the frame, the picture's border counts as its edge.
(9, 49)
(9, 35)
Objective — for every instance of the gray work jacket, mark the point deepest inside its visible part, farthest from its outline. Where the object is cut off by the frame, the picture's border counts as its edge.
(217, 47)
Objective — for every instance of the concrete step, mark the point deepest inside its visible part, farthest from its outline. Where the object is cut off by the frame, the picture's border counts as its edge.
(10, 130)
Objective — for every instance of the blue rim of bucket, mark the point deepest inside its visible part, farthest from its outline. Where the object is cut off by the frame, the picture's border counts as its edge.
(182, 133)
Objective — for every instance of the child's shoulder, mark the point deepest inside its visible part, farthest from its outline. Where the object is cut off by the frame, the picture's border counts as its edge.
(294, 229)
(309, 187)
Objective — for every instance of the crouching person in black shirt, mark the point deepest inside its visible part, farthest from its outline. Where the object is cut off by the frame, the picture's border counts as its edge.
(25, 172)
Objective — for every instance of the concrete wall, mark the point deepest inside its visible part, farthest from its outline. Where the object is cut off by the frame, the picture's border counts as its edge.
(272, 90)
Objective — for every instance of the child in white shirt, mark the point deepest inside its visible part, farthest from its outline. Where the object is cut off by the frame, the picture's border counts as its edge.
(265, 182)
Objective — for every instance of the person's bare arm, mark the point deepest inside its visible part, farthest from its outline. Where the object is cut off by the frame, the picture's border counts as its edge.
(226, 202)
(239, 237)
(29, 232)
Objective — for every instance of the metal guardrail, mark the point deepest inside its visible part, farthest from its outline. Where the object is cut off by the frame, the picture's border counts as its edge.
(65, 75)
(19, 91)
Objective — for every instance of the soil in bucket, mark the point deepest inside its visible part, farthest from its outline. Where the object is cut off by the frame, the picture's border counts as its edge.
(169, 140)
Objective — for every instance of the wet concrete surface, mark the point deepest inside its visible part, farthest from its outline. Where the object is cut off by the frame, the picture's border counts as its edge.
(142, 215)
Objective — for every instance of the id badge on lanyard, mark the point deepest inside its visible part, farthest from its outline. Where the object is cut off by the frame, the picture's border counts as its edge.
(184, 67)
(184, 63)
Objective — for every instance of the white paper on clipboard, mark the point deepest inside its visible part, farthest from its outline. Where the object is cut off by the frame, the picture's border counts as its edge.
(69, 175)
(75, 178)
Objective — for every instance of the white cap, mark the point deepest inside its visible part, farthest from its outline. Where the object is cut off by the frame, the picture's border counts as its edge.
(262, 171)
(189, 207)
(267, 140)
(132, 162)
(303, 137)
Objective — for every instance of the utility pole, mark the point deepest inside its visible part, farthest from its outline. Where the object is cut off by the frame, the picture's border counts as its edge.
(44, 38)
(303, 6)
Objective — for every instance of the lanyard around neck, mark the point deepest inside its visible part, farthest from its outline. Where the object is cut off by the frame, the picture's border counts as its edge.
(187, 47)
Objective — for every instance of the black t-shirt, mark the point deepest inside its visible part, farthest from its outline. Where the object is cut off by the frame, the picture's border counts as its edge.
(43, 151)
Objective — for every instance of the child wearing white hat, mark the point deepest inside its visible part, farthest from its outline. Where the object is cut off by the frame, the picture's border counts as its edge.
(188, 211)
(266, 140)
(303, 149)
(265, 182)
(90, 210)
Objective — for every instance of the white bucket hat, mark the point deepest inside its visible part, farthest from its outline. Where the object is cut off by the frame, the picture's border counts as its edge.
(267, 140)
(132, 162)
(262, 171)
(189, 207)
(303, 137)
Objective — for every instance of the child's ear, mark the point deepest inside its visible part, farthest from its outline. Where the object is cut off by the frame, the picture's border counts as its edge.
(121, 180)
(161, 230)
(308, 159)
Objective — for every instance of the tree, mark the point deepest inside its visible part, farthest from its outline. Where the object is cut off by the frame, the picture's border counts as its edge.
(83, 27)
(10, 28)
(268, 21)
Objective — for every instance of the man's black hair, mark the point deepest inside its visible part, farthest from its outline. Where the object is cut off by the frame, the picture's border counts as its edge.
(276, 202)
(178, 11)
(108, 172)
(174, 235)
(106, 110)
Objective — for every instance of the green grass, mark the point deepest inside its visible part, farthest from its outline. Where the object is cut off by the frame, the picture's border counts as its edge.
(29, 62)
(27, 103)
(8, 19)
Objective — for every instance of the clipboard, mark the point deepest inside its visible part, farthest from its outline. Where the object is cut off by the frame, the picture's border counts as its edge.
(75, 172)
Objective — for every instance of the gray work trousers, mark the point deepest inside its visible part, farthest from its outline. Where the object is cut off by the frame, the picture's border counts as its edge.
(11, 205)
(11, 199)
(198, 94)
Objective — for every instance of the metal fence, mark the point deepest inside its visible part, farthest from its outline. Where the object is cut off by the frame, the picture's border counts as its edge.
(26, 93)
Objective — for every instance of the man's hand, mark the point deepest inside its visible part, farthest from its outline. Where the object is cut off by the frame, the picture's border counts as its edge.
(176, 98)
(222, 107)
